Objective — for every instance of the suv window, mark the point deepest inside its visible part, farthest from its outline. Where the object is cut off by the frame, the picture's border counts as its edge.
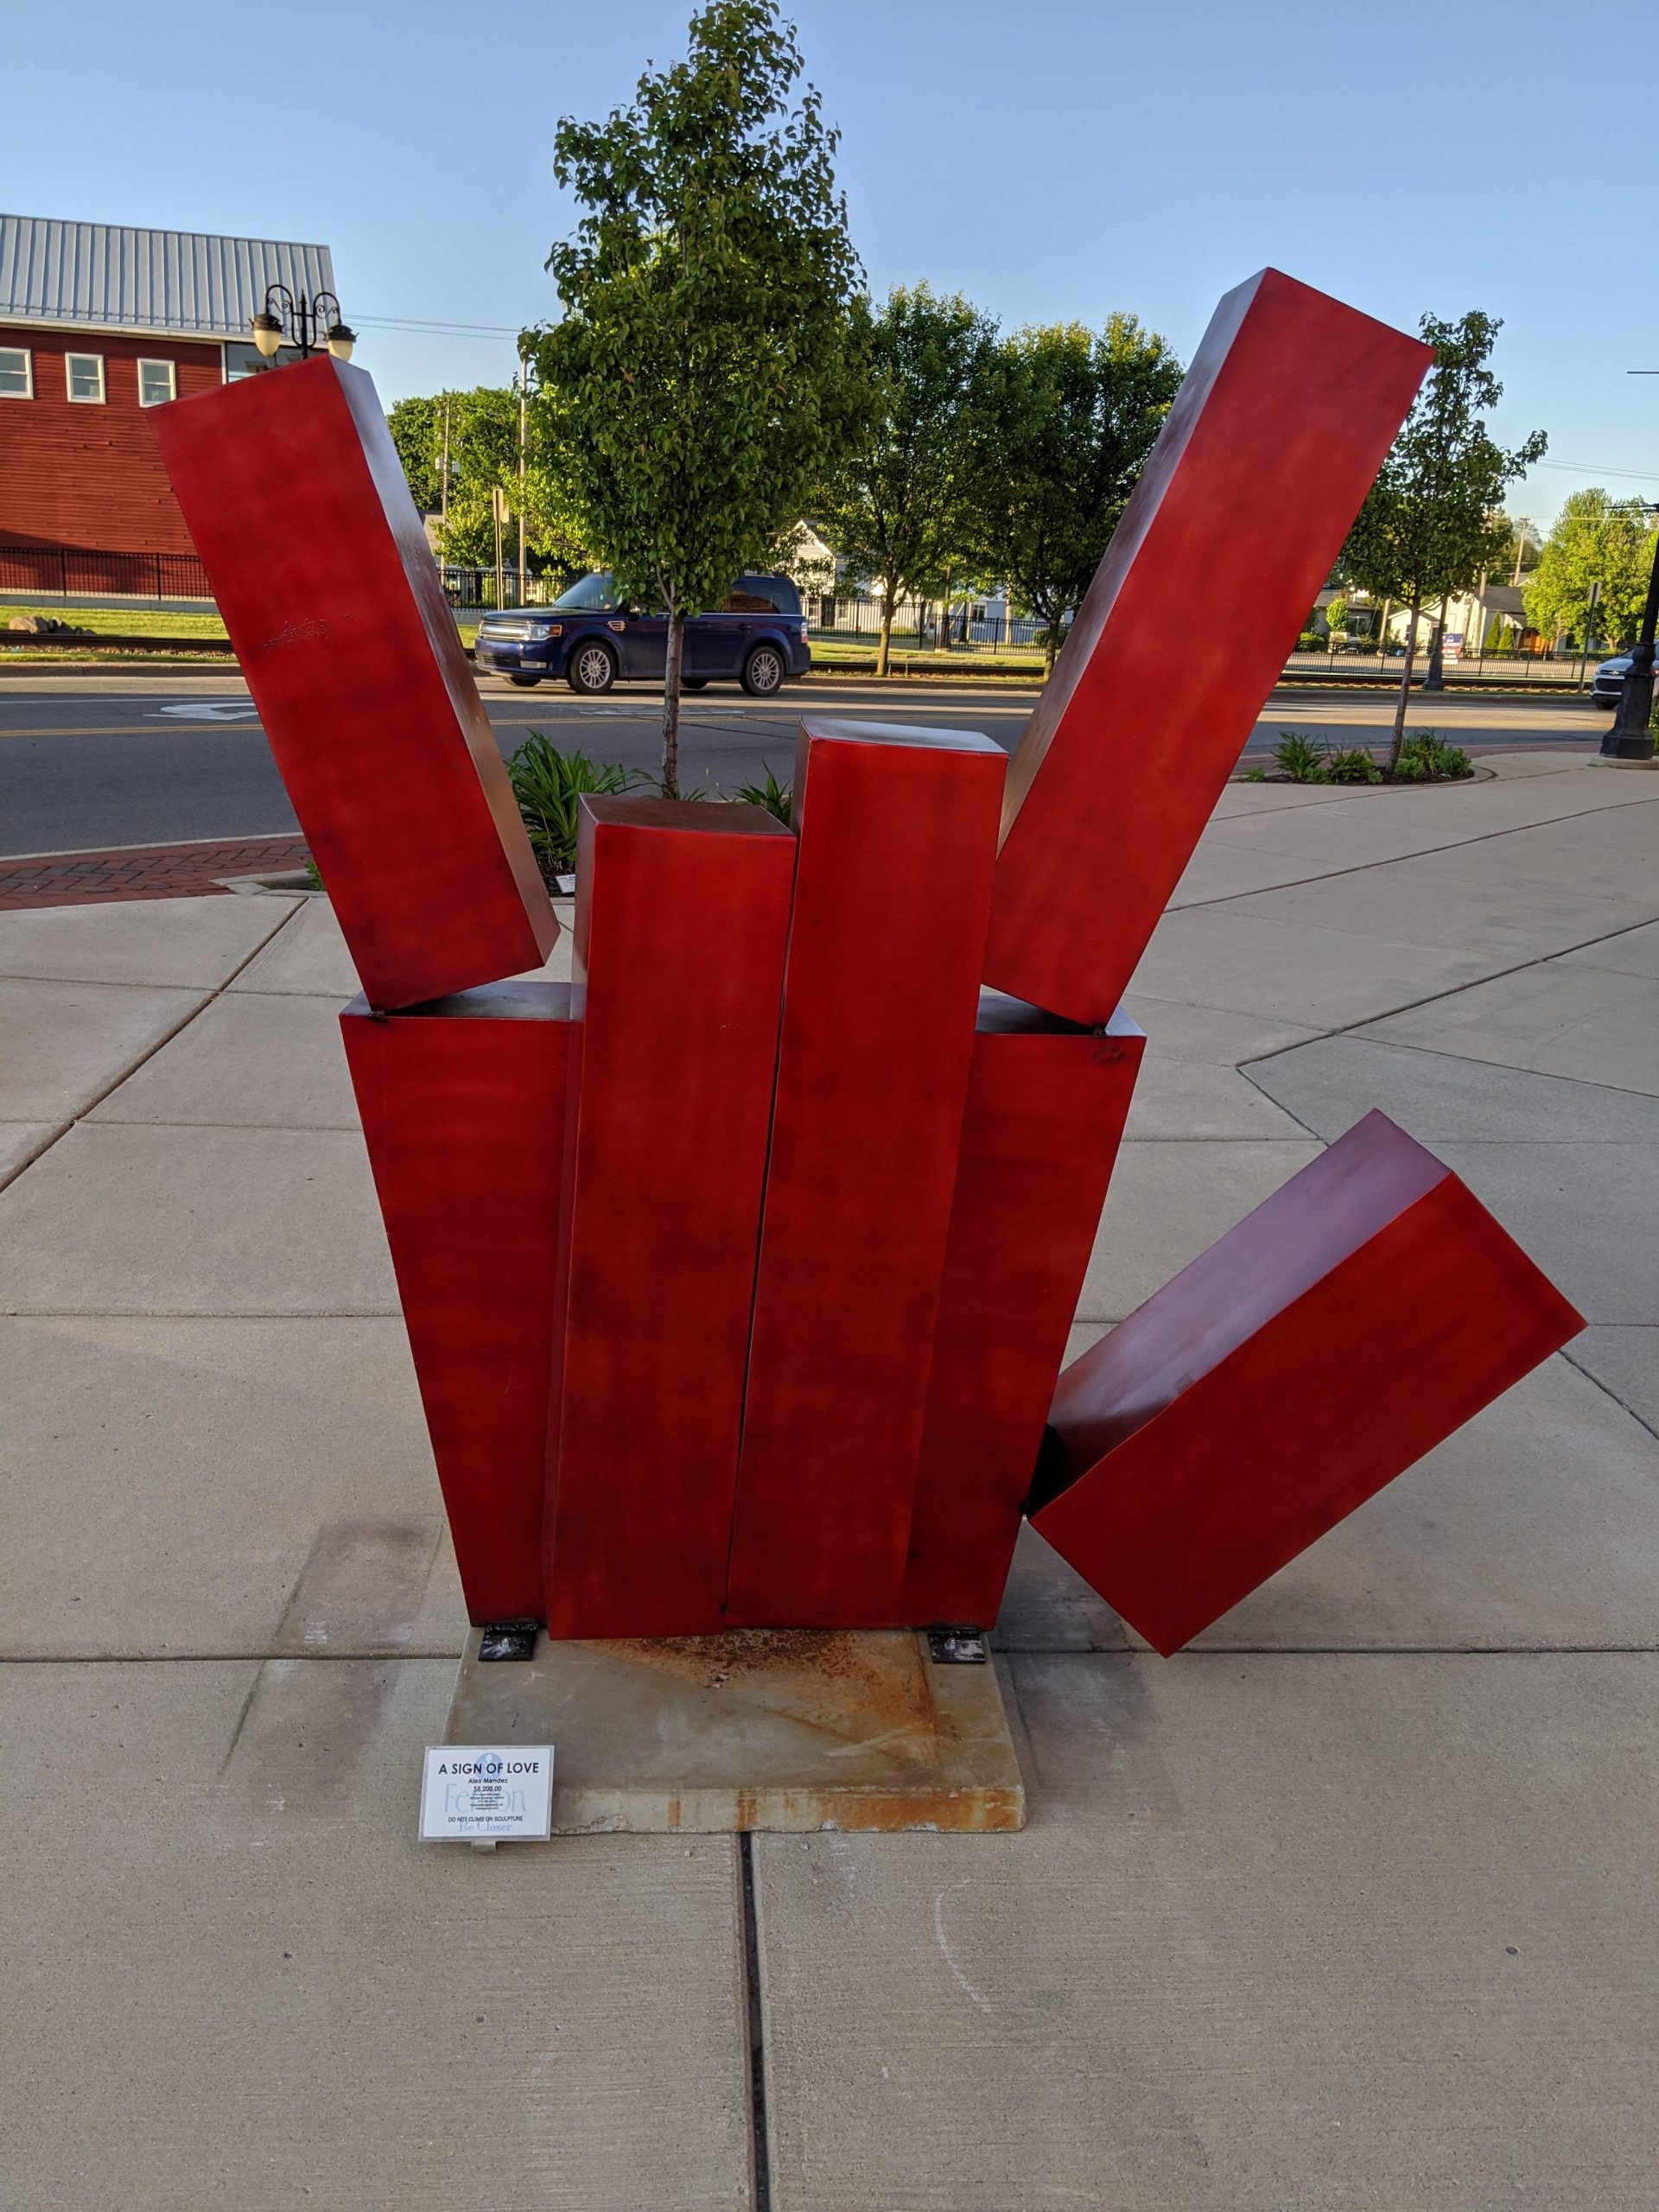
(777, 594)
(589, 595)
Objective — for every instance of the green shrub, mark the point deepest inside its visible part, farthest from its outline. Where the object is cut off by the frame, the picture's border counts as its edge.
(313, 874)
(1311, 641)
(1350, 764)
(1428, 758)
(1299, 759)
(547, 785)
(773, 795)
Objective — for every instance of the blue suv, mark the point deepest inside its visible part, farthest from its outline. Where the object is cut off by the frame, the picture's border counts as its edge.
(591, 636)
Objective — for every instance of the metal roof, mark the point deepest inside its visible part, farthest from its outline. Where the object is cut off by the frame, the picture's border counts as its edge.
(102, 276)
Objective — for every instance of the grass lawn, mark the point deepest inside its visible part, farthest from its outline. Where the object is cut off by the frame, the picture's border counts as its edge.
(122, 621)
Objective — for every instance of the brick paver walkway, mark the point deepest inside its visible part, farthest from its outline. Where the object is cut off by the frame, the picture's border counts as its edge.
(142, 870)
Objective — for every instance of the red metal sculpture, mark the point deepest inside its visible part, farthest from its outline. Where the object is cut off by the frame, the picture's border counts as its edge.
(1341, 1330)
(738, 1276)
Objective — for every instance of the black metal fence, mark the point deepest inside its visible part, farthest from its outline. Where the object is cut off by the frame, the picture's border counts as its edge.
(977, 629)
(1508, 666)
(77, 572)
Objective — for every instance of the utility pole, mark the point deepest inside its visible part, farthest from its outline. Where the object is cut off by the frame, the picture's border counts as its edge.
(524, 400)
(498, 510)
(443, 479)
(1591, 605)
(1520, 550)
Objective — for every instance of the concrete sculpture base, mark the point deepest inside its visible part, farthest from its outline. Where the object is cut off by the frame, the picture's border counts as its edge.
(790, 1730)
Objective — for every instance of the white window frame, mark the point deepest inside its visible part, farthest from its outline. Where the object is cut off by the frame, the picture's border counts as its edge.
(146, 361)
(80, 398)
(28, 358)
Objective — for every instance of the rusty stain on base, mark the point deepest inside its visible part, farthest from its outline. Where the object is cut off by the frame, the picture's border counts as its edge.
(787, 1730)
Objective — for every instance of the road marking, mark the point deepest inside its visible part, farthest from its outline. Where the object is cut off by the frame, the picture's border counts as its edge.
(112, 729)
(213, 710)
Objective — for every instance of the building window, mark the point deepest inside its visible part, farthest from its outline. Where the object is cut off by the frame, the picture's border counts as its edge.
(16, 373)
(156, 384)
(84, 372)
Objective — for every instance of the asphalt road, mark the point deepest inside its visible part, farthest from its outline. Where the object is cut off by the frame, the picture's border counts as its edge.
(88, 760)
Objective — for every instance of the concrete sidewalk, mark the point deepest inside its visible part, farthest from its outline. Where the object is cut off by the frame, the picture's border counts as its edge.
(1352, 1906)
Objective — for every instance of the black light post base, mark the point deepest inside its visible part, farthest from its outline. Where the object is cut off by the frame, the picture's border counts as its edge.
(1631, 738)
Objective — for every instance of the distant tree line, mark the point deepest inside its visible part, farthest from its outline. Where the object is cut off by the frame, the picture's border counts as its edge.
(957, 459)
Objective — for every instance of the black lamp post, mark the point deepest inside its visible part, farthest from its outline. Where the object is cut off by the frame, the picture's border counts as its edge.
(301, 323)
(1631, 738)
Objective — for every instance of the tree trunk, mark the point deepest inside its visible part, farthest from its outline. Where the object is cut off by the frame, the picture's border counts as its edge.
(1434, 674)
(944, 616)
(671, 703)
(1404, 688)
(883, 643)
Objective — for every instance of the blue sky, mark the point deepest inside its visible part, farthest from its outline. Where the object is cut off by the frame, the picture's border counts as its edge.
(1054, 159)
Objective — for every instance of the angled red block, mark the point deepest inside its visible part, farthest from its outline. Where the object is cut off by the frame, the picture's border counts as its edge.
(682, 918)
(1272, 441)
(897, 830)
(1341, 1330)
(300, 512)
(1047, 1102)
(462, 1104)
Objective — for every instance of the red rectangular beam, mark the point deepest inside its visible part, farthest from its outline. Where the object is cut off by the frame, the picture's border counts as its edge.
(682, 918)
(300, 512)
(1267, 454)
(1047, 1102)
(1341, 1330)
(462, 1104)
(897, 830)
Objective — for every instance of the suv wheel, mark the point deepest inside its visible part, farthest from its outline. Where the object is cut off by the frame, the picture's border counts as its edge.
(592, 670)
(764, 671)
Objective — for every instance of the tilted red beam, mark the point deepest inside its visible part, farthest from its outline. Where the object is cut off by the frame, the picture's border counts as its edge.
(897, 828)
(681, 916)
(462, 1104)
(1047, 1102)
(299, 509)
(1341, 1330)
(1267, 452)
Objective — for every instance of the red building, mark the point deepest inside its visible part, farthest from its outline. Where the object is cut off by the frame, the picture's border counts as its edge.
(98, 325)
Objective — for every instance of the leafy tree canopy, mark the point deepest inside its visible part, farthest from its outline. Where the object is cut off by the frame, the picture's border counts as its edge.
(483, 443)
(1069, 418)
(696, 377)
(1595, 540)
(1432, 521)
(898, 505)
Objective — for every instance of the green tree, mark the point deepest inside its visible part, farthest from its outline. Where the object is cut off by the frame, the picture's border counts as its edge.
(900, 507)
(1070, 419)
(1433, 520)
(482, 439)
(695, 379)
(1595, 540)
(1336, 618)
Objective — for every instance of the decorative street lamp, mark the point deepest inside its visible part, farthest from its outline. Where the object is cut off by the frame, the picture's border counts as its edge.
(300, 323)
(1631, 738)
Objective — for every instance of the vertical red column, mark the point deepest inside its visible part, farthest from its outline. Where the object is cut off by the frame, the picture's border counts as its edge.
(1270, 448)
(682, 918)
(300, 512)
(1342, 1330)
(897, 829)
(462, 1105)
(1047, 1102)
